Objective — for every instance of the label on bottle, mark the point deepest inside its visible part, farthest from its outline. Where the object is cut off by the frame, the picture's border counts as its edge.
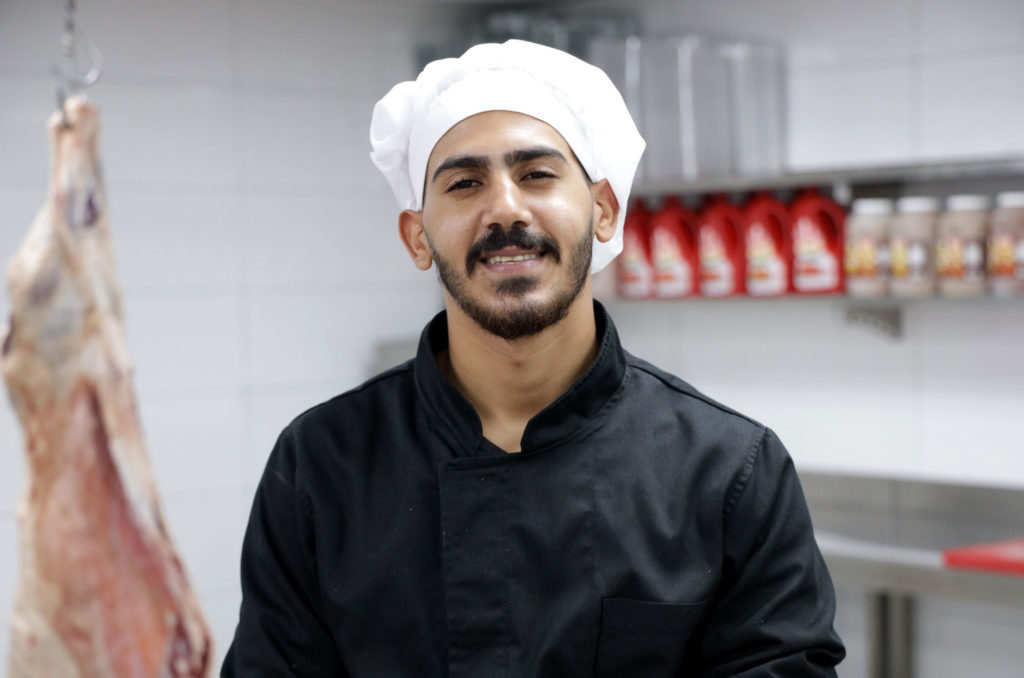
(867, 259)
(634, 269)
(909, 260)
(1006, 257)
(716, 270)
(959, 258)
(673, 276)
(766, 270)
(814, 266)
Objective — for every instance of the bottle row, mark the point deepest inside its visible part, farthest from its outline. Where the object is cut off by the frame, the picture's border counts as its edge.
(810, 245)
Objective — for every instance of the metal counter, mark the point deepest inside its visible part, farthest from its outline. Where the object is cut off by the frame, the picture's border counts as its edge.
(886, 537)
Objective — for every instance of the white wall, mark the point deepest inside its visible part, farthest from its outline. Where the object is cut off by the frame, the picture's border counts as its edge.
(256, 242)
(883, 80)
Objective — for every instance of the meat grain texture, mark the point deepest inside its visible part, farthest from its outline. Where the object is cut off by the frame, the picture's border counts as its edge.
(102, 592)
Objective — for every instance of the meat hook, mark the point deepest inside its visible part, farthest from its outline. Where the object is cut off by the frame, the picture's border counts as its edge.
(70, 80)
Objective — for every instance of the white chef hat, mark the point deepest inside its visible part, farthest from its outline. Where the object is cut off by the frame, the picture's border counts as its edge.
(576, 99)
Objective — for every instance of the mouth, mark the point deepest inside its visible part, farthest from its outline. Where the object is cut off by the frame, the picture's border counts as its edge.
(512, 260)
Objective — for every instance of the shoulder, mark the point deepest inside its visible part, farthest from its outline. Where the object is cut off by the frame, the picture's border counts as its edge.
(675, 393)
(723, 447)
(387, 387)
(347, 420)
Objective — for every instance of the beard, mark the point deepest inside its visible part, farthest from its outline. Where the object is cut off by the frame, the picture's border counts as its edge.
(513, 316)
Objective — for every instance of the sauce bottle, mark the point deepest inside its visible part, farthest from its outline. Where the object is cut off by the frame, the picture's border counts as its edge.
(1006, 246)
(817, 243)
(635, 273)
(960, 246)
(769, 253)
(866, 255)
(720, 242)
(674, 250)
(911, 247)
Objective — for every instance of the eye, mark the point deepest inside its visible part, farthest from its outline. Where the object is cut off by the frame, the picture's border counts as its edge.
(539, 174)
(461, 185)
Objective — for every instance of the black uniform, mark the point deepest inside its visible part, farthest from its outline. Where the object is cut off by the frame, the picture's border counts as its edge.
(645, 530)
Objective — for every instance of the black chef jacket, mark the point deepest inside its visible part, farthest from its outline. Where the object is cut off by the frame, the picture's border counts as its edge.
(644, 531)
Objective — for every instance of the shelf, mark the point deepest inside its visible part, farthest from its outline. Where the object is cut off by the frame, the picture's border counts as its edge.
(952, 170)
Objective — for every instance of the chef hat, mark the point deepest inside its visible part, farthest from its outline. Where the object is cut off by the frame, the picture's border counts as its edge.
(576, 99)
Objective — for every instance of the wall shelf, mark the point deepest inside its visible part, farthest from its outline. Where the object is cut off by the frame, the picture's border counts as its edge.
(938, 170)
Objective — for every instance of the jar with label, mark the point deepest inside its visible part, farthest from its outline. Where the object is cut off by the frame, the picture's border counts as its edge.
(1006, 246)
(911, 247)
(960, 246)
(866, 255)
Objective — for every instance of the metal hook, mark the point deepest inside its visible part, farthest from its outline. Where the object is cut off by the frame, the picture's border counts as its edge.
(69, 80)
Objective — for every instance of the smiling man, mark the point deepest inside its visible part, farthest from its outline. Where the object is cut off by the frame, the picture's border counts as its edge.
(525, 498)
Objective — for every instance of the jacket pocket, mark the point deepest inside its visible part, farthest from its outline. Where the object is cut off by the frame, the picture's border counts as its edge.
(642, 638)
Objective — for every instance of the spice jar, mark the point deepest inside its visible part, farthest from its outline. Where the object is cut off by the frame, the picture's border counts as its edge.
(960, 246)
(866, 255)
(1006, 246)
(911, 247)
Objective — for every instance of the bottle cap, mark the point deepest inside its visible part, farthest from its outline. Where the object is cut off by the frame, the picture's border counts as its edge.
(917, 204)
(872, 206)
(967, 203)
(1010, 199)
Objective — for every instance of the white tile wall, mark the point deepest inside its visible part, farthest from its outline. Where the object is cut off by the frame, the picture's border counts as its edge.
(12, 441)
(292, 140)
(311, 337)
(324, 45)
(852, 117)
(183, 134)
(25, 156)
(304, 239)
(818, 34)
(177, 242)
(195, 443)
(954, 25)
(8, 576)
(968, 103)
(189, 344)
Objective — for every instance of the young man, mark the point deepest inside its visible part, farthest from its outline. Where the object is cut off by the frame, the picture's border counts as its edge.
(524, 498)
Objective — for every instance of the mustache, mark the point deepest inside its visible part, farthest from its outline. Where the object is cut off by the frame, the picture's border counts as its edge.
(515, 236)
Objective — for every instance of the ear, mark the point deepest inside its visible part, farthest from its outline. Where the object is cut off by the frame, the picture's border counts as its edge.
(410, 228)
(606, 210)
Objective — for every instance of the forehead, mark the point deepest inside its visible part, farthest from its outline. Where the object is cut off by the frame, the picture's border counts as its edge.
(494, 133)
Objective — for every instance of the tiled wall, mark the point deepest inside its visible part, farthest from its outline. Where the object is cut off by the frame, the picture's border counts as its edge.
(257, 244)
(884, 80)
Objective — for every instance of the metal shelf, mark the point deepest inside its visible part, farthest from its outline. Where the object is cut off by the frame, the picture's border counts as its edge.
(951, 170)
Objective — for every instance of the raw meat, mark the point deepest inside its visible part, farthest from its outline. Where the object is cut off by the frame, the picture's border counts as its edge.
(102, 593)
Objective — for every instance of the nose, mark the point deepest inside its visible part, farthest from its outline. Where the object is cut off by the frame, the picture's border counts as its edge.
(505, 205)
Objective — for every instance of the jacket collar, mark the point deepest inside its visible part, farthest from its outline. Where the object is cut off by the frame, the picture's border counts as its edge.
(457, 421)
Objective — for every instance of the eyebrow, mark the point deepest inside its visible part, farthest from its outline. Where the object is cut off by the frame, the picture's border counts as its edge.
(511, 158)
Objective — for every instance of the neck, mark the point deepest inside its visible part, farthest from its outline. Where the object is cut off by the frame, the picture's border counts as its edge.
(508, 382)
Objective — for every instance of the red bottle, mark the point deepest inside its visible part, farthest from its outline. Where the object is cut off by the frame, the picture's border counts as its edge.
(674, 250)
(635, 272)
(720, 239)
(817, 243)
(769, 249)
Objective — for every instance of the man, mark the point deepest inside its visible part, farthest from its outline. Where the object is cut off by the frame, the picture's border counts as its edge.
(524, 498)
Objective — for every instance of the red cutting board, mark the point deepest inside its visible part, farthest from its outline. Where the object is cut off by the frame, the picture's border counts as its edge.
(1006, 557)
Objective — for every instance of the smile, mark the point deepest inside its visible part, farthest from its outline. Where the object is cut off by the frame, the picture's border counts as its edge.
(498, 259)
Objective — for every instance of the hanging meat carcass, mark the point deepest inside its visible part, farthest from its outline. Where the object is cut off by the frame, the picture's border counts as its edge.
(102, 592)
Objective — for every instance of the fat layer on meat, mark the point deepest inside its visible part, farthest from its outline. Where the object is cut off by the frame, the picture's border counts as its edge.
(101, 592)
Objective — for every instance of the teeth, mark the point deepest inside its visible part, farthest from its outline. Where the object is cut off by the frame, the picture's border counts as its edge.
(505, 260)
